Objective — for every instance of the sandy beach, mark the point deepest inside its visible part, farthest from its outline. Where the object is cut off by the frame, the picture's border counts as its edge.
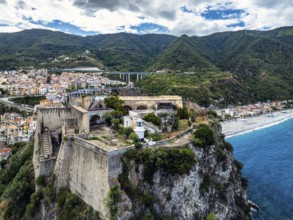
(232, 128)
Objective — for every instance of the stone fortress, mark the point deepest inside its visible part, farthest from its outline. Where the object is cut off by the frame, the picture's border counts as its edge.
(87, 166)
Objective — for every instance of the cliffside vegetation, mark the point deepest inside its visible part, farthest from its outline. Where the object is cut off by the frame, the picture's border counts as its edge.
(17, 183)
(171, 161)
(28, 100)
(158, 180)
(19, 200)
(4, 109)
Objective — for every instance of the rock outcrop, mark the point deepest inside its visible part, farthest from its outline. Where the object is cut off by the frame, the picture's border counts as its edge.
(213, 185)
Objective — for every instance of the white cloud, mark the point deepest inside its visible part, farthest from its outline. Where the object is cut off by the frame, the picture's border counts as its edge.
(100, 17)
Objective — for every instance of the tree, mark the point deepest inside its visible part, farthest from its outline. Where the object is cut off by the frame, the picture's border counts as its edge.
(108, 118)
(115, 123)
(134, 137)
(212, 114)
(204, 136)
(153, 119)
(2, 91)
(183, 113)
(48, 80)
(94, 118)
(175, 123)
(115, 103)
(127, 131)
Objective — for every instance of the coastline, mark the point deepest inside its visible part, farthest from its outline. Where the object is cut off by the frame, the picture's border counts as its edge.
(241, 126)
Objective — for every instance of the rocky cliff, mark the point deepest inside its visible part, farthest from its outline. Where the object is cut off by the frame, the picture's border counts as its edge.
(200, 180)
(155, 186)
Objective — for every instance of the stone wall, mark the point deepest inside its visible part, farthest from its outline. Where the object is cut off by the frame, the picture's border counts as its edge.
(53, 118)
(87, 170)
(82, 117)
(47, 167)
(151, 102)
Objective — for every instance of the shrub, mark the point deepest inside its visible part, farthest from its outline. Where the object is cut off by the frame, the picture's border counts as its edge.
(137, 145)
(211, 216)
(34, 204)
(127, 131)
(49, 193)
(70, 206)
(115, 103)
(203, 136)
(173, 161)
(134, 137)
(113, 197)
(205, 185)
(17, 146)
(108, 118)
(228, 146)
(175, 125)
(238, 164)
(156, 136)
(147, 199)
(212, 114)
(221, 156)
(115, 123)
(182, 113)
(153, 119)
(244, 182)
(41, 181)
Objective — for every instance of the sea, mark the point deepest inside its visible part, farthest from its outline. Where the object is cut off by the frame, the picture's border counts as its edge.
(267, 155)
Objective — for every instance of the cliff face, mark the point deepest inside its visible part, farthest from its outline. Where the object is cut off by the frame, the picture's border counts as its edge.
(213, 185)
(198, 181)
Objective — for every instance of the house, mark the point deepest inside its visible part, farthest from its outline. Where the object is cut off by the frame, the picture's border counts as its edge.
(5, 153)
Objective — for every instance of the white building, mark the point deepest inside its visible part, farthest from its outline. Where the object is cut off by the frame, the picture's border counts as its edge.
(139, 129)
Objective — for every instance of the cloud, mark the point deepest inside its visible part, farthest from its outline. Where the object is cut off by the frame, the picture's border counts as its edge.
(20, 5)
(111, 5)
(190, 17)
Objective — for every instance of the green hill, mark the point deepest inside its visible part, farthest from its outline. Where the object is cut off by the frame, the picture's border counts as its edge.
(260, 63)
(189, 54)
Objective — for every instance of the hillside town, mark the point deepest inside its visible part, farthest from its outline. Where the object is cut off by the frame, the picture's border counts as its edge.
(234, 112)
(39, 82)
(58, 90)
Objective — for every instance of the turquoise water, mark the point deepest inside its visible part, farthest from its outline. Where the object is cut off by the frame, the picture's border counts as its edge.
(267, 155)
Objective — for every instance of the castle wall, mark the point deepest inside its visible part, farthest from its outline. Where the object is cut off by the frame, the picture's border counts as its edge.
(115, 165)
(53, 118)
(36, 154)
(47, 167)
(88, 170)
(82, 118)
(84, 169)
(151, 102)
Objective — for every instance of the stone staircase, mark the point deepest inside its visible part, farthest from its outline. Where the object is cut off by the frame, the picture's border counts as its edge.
(46, 146)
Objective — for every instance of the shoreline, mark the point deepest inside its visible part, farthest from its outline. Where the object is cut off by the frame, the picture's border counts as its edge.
(242, 126)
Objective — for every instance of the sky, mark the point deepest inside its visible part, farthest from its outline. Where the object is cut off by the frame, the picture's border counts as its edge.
(176, 17)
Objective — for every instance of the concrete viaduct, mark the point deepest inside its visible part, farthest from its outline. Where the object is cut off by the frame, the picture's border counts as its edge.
(126, 75)
(152, 102)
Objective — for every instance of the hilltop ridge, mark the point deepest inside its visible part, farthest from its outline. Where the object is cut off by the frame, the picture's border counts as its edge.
(259, 63)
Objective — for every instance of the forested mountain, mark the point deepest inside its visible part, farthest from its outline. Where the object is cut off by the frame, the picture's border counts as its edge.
(260, 62)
